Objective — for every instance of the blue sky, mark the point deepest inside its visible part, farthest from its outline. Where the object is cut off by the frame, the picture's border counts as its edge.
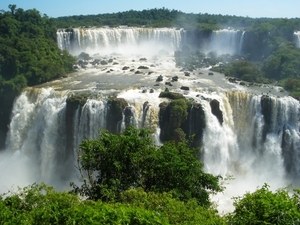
(251, 8)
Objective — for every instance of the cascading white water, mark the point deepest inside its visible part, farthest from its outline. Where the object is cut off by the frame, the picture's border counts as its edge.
(237, 147)
(37, 142)
(241, 43)
(225, 41)
(38, 133)
(36, 138)
(93, 118)
(297, 38)
(118, 40)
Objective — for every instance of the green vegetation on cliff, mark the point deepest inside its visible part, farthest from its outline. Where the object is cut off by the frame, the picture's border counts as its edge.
(28, 48)
(29, 55)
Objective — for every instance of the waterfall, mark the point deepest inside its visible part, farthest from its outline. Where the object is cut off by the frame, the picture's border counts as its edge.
(297, 38)
(36, 138)
(225, 41)
(45, 133)
(256, 141)
(118, 40)
(241, 43)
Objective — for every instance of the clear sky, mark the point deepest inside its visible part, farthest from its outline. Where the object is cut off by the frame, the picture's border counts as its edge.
(251, 8)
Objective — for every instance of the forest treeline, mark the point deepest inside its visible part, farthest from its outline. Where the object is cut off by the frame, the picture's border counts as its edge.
(173, 18)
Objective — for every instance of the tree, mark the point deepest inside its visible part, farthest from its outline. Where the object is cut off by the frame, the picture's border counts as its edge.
(114, 163)
(12, 8)
(266, 207)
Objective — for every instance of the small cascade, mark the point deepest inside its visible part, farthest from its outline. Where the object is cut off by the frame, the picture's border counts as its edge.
(128, 118)
(241, 43)
(119, 40)
(93, 117)
(297, 38)
(225, 41)
(146, 107)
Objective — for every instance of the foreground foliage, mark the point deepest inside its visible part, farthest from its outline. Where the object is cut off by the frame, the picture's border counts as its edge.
(266, 207)
(40, 204)
(114, 163)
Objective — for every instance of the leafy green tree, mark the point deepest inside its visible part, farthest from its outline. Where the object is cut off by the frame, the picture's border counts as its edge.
(283, 63)
(114, 163)
(244, 70)
(266, 207)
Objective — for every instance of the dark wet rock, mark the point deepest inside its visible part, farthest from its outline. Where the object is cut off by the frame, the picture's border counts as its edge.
(215, 109)
(143, 67)
(195, 125)
(170, 95)
(185, 88)
(267, 111)
(175, 78)
(115, 113)
(172, 116)
(103, 62)
(232, 80)
(125, 68)
(159, 78)
(95, 62)
(82, 63)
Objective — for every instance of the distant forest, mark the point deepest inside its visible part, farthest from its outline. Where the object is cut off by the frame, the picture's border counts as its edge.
(174, 18)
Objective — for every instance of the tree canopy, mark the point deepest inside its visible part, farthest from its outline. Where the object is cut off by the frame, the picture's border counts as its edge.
(266, 207)
(117, 162)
